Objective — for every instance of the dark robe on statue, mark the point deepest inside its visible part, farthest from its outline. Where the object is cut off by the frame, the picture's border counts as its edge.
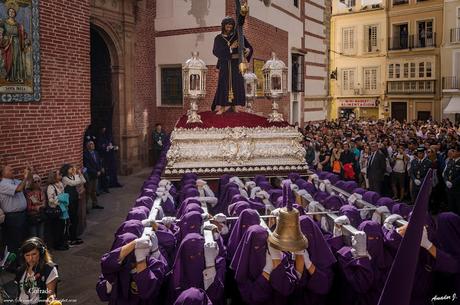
(227, 64)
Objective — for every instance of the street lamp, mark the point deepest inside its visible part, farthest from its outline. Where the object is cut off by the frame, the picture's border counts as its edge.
(250, 85)
(275, 85)
(194, 78)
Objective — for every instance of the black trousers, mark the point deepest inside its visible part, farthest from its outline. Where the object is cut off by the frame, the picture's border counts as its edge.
(73, 215)
(453, 201)
(14, 230)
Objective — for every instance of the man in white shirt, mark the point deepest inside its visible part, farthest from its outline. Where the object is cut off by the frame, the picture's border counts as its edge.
(13, 203)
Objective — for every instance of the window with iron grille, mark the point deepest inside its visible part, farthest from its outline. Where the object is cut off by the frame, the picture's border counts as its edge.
(171, 86)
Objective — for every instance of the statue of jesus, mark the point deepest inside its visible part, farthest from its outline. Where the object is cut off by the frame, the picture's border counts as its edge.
(230, 88)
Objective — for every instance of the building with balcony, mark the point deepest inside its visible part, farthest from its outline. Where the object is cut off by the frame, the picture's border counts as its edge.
(358, 53)
(415, 33)
(450, 61)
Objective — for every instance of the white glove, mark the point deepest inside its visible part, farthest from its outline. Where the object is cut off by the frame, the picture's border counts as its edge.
(207, 191)
(211, 249)
(314, 177)
(262, 195)
(389, 221)
(449, 184)
(154, 248)
(250, 184)
(324, 223)
(209, 275)
(306, 258)
(302, 192)
(313, 206)
(160, 213)
(328, 186)
(352, 199)
(108, 287)
(205, 216)
(254, 190)
(148, 222)
(220, 218)
(142, 248)
(268, 263)
(168, 221)
(275, 212)
(339, 222)
(379, 214)
(224, 230)
(417, 182)
(163, 182)
(211, 200)
(294, 187)
(200, 183)
(322, 187)
(359, 242)
(425, 242)
(237, 181)
(210, 226)
(274, 253)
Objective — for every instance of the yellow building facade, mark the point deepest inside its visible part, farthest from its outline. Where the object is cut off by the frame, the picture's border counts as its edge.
(358, 59)
(415, 31)
(450, 61)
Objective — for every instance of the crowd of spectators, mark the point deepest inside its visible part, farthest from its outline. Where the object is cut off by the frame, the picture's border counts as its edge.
(390, 157)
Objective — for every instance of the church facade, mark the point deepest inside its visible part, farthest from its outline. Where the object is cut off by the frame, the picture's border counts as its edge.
(116, 63)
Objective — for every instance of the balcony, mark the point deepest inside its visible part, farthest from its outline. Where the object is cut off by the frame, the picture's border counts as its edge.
(451, 83)
(426, 41)
(412, 42)
(411, 87)
(455, 35)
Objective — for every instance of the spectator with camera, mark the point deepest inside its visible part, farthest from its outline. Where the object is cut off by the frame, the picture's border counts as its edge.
(14, 205)
(72, 179)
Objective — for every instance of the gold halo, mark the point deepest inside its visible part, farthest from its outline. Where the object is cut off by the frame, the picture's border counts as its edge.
(12, 4)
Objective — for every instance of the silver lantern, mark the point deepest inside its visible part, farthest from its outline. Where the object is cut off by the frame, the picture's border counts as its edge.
(250, 86)
(275, 85)
(194, 85)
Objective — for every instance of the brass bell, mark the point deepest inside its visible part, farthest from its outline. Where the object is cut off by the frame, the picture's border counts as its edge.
(287, 235)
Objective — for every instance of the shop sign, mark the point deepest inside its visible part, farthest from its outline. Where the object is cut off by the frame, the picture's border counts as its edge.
(357, 103)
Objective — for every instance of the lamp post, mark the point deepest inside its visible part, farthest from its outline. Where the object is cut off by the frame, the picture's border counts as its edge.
(275, 85)
(194, 85)
(250, 84)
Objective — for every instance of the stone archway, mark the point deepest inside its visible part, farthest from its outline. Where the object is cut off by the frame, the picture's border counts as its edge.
(114, 24)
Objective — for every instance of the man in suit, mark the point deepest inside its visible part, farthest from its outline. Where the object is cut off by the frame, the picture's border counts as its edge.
(452, 179)
(93, 165)
(419, 167)
(376, 168)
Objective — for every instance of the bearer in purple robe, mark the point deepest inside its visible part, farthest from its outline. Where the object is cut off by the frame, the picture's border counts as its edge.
(230, 87)
(262, 277)
(193, 296)
(135, 275)
(197, 267)
(316, 280)
(246, 219)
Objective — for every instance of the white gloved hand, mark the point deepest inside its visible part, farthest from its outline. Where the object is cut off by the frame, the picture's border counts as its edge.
(262, 195)
(275, 212)
(211, 200)
(200, 183)
(314, 177)
(352, 199)
(338, 223)
(250, 184)
(164, 182)
(224, 230)
(322, 187)
(210, 226)
(379, 214)
(425, 242)
(268, 263)
(148, 222)
(313, 206)
(207, 191)
(390, 220)
(275, 253)
(294, 187)
(417, 182)
(328, 186)
(254, 191)
(160, 213)
(154, 248)
(302, 192)
(449, 184)
(359, 242)
(306, 258)
(168, 221)
(108, 287)
(209, 275)
(211, 249)
(205, 216)
(243, 193)
(220, 218)
(142, 248)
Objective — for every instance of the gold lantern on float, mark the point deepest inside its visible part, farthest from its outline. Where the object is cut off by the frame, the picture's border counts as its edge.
(194, 85)
(275, 85)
